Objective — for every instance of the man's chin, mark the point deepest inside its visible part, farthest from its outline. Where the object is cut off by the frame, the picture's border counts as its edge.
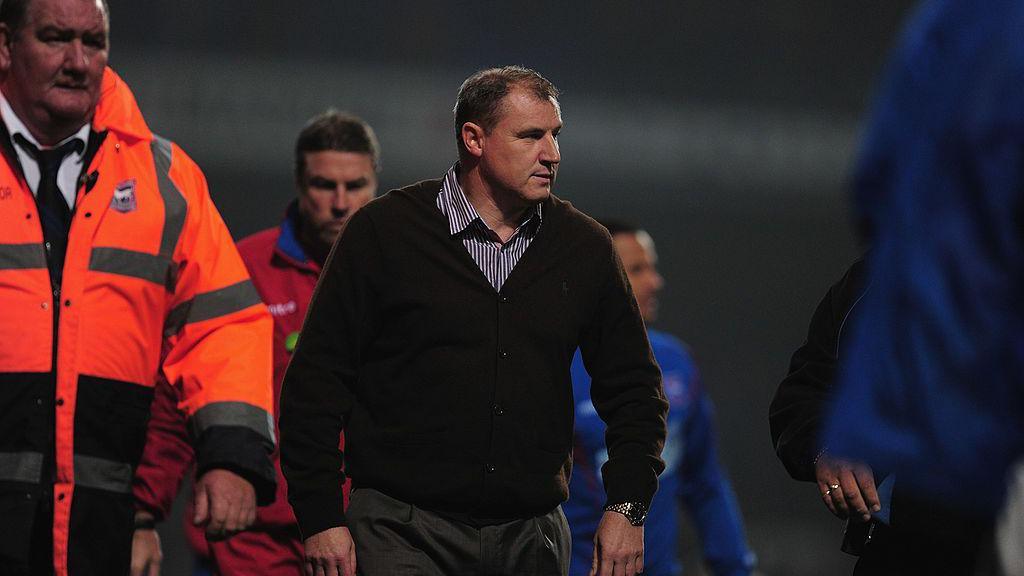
(536, 194)
(649, 312)
(329, 234)
(72, 109)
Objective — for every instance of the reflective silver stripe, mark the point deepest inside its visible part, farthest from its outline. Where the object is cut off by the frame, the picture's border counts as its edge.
(175, 208)
(21, 467)
(176, 318)
(223, 301)
(157, 268)
(233, 414)
(22, 256)
(152, 267)
(109, 475)
(211, 304)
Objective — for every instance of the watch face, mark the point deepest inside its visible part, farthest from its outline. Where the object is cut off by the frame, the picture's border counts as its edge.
(635, 512)
(640, 520)
(636, 515)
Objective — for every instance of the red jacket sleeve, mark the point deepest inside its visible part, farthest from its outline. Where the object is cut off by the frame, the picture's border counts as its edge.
(167, 456)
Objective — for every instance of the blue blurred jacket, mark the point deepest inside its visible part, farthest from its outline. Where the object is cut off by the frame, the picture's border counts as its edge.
(933, 384)
(692, 475)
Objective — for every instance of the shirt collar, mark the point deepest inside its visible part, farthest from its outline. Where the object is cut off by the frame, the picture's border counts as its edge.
(16, 126)
(459, 210)
(288, 245)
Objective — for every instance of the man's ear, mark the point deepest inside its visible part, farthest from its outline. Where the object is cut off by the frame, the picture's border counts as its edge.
(472, 135)
(6, 38)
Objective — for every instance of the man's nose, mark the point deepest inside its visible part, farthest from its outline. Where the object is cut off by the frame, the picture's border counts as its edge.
(657, 281)
(341, 201)
(76, 57)
(549, 152)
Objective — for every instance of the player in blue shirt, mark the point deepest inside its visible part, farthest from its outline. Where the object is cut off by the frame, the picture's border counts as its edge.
(692, 476)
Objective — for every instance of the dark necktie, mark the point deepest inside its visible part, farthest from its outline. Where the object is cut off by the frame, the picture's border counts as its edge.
(54, 212)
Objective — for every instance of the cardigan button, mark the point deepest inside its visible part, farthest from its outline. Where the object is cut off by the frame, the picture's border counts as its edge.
(491, 469)
(497, 410)
(504, 353)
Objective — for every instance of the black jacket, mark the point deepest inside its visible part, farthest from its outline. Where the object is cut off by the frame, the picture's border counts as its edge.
(798, 407)
(795, 418)
(454, 397)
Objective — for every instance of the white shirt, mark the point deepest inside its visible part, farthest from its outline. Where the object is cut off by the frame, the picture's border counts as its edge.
(70, 167)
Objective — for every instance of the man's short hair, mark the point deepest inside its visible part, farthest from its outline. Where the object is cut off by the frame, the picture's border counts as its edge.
(480, 96)
(12, 13)
(336, 131)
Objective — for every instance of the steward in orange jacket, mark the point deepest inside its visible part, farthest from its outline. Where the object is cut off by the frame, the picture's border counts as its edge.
(150, 283)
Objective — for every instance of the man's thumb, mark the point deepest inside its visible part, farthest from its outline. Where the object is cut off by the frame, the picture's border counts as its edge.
(202, 505)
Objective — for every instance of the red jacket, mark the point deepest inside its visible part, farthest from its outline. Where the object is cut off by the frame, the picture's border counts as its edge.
(285, 278)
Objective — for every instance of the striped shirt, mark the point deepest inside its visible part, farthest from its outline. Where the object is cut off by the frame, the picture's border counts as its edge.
(496, 260)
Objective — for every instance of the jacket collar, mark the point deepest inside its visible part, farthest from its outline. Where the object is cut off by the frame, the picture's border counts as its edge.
(288, 247)
(117, 110)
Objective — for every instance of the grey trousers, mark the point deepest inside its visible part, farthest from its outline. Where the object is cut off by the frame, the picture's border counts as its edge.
(393, 538)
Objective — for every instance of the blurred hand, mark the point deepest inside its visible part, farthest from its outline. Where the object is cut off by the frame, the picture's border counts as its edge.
(331, 553)
(848, 488)
(146, 552)
(225, 503)
(618, 547)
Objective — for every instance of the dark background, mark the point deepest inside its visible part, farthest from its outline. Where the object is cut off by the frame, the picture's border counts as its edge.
(725, 127)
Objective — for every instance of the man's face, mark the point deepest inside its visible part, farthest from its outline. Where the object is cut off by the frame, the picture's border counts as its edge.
(519, 156)
(334, 185)
(641, 263)
(54, 66)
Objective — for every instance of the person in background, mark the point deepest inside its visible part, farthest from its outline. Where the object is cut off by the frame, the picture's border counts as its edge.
(114, 267)
(693, 477)
(337, 159)
(931, 388)
(440, 339)
(890, 528)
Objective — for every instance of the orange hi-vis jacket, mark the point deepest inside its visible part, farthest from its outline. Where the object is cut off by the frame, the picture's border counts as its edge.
(152, 283)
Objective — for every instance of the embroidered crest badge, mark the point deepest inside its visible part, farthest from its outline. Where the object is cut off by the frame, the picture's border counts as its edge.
(124, 196)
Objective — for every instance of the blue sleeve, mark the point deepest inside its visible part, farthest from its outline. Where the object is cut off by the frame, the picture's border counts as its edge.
(708, 495)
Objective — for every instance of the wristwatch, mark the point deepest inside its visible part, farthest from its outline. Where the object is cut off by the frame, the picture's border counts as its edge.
(635, 512)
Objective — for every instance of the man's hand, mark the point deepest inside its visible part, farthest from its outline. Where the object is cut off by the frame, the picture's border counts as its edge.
(225, 503)
(331, 553)
(146, 552)
(618, 547)
(847, 486)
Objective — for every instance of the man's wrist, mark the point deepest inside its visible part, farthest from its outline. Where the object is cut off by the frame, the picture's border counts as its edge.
(144, 521)
(635, 512)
